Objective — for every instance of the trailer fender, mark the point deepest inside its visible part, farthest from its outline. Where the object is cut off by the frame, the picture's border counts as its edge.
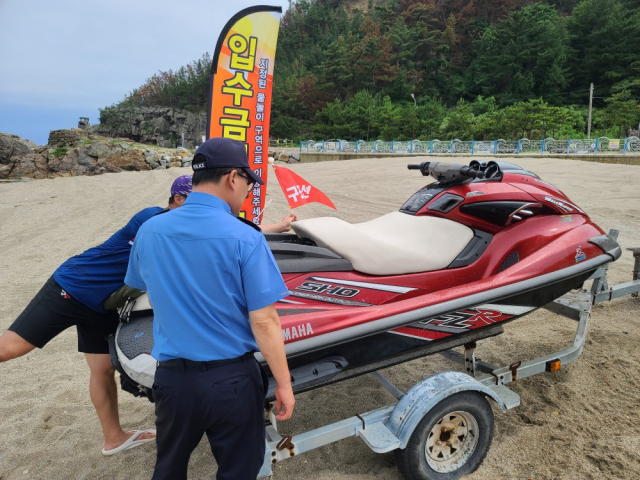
(423, 396)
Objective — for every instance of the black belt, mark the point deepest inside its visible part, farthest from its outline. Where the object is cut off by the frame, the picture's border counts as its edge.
(185, 363)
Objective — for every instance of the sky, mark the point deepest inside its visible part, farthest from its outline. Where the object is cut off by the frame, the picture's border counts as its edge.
(65, 59)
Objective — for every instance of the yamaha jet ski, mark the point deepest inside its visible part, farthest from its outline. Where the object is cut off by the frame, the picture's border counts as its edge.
(484, 244)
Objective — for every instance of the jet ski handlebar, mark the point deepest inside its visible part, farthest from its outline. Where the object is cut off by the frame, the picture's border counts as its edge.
(448, 173)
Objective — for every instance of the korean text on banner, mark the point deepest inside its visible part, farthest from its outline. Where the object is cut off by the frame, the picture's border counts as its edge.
(240, 99)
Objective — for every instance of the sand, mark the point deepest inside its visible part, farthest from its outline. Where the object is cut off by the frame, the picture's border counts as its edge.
(579, 423)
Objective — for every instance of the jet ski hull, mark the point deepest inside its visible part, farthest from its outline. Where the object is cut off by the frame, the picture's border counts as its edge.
(358, 355)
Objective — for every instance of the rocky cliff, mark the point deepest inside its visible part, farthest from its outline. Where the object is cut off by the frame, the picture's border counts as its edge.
(78, 152)
(160, 126)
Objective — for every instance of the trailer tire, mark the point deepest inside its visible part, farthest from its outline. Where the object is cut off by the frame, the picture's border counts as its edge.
(469, 416)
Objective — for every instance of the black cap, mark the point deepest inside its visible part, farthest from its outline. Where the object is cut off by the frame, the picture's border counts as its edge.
(222, 152)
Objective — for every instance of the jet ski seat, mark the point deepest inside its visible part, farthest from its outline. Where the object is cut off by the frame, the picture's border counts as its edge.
(394, 244)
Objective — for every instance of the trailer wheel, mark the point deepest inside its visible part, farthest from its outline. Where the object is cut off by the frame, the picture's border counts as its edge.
(450, 441)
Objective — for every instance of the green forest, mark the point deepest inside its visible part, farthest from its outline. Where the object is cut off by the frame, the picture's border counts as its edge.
(408, 69)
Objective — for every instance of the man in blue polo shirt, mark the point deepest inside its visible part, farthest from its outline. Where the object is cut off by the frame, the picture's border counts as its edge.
(212, 281)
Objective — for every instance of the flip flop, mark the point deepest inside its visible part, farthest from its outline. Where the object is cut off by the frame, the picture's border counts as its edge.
(131, 442)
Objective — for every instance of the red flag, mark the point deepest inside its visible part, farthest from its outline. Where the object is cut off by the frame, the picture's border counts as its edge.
(298, 191)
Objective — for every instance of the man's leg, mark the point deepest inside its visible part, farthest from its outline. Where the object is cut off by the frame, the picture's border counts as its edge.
(237, 437)
(179, 419)
(39, 322)
(104, 396)
(13, 346)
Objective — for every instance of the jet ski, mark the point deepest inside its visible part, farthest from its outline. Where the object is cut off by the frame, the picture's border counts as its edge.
(483, 245)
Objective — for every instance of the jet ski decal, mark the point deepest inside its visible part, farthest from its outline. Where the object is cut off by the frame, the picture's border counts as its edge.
(346, 292)
(322, 298)
(328, 289)
(563, 204)
(462, 321)
(367, 285)
(297, 331)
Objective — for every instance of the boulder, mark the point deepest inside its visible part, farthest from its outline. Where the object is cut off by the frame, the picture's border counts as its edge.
(60, 164)
(12, 146)
(174, 164)
(99, 150)
(86, 159)
(151, 157)
(32, 165)
(132, 160)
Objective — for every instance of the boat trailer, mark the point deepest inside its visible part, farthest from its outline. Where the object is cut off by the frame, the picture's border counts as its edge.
(443, 426)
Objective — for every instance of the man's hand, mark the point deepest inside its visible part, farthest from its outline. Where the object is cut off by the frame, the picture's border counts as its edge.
(287, 221)
(283, 226)
(265, 326)
(284, 402)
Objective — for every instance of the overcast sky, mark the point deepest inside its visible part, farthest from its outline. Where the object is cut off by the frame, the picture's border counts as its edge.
(63, 59)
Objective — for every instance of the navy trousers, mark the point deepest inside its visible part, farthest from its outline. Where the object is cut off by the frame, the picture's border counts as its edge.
(225, 402)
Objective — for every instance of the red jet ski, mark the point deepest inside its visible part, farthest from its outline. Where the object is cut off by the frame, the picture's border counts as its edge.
(483, 245)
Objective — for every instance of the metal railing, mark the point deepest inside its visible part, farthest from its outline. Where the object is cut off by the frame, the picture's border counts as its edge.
(523, 146)
(281, 142)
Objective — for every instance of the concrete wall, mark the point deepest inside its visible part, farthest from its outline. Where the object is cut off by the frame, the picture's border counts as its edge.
(328, 157)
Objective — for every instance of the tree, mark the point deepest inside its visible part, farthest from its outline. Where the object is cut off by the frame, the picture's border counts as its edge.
(460, 122)
(522, 56)
(622, 112)
(604, 36)
(430, 115)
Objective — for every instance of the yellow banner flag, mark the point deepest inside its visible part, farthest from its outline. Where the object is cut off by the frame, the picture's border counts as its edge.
(240, 98)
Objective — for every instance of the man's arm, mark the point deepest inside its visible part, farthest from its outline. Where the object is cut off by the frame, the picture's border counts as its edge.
(266, 329)
(133, 277)
(283, 226)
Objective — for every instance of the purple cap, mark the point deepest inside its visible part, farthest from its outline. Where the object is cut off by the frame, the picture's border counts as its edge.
(181, 186)
(221, 152)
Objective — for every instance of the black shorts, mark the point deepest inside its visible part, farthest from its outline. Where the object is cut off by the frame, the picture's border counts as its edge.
(53, 310)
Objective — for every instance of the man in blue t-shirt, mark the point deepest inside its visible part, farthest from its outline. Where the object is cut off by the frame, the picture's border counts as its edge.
(73, 296)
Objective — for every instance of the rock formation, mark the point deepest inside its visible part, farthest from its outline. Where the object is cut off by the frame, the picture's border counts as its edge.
(162, 126)
(76, 152)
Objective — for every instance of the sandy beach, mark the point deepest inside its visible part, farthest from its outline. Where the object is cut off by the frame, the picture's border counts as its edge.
(579, 423)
